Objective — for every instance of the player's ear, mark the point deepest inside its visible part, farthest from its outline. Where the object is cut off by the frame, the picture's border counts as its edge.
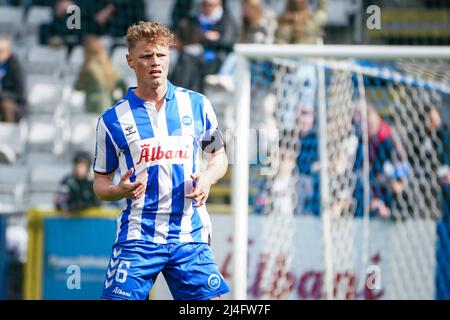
(130, 61)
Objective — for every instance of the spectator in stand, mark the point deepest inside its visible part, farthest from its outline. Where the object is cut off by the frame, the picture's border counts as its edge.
(388, 170)
(98, 78)
(258, 24)
(101, 17)
(12, 84)
(185, 64)
(76, 192)
(182, 12)
(437, 142)
(112, 17)
(308, 185)
(298, 24)
(56, 32)
(218, 32)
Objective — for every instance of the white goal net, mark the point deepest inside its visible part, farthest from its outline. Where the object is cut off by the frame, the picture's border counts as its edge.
(348, 175)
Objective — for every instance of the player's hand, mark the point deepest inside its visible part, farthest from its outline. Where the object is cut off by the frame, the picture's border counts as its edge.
(202, 186)
(131, 190)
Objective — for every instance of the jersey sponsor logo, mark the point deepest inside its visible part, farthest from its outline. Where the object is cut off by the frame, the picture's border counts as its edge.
(156, 153)
(214, 281)
(130, 129)
(117, 290)
(172, 150)
(187, 121)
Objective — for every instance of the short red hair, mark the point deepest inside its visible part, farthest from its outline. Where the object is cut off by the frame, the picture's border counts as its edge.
(150, 31)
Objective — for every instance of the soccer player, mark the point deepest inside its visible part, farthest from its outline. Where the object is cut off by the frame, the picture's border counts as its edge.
(155, 135)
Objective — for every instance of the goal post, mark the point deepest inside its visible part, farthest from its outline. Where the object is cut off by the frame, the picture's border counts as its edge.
(240, 181)
(342, 85)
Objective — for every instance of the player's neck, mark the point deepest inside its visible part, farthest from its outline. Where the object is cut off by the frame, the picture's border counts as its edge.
(153, 95)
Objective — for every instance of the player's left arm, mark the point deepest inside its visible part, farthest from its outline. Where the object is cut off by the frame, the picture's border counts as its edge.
(216, 169)
(213, 146)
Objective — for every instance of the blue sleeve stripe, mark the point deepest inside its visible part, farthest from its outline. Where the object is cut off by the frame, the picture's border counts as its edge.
(112, 161)
(197, 111)
(112, 123)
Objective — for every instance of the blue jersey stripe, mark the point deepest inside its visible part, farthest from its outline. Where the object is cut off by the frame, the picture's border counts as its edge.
(174, 129)
(151, 204)
(197, 226)
(124, 223)
(208, 123)
(173, 119)
(143, 123)
(197, 112)
(177, 201)
(178, 188)
(112, 161)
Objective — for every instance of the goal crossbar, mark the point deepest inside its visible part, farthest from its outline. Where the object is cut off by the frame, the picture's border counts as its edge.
(341, 51)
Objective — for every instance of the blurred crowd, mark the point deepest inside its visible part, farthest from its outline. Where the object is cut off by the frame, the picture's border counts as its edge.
(404, 171)
(206, 31)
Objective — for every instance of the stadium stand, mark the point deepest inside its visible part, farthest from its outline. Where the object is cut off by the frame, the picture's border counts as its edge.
(48, 68)
(11, 20)
(35, 153)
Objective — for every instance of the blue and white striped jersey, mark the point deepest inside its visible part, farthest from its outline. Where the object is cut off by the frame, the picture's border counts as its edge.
(166, 146)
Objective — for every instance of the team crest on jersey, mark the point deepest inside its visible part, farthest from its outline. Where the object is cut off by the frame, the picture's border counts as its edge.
(187, 121)
(214, 281)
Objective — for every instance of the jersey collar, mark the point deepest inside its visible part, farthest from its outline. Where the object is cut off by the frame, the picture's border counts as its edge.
(136, 101)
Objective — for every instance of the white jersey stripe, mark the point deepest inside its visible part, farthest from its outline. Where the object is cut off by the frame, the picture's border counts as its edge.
(206, 223)
(100, 155)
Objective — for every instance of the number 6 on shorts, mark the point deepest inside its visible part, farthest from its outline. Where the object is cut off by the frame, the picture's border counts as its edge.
(121, 275)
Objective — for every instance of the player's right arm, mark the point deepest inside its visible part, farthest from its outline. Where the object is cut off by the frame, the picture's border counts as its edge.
(106, 162)
(106, 190)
